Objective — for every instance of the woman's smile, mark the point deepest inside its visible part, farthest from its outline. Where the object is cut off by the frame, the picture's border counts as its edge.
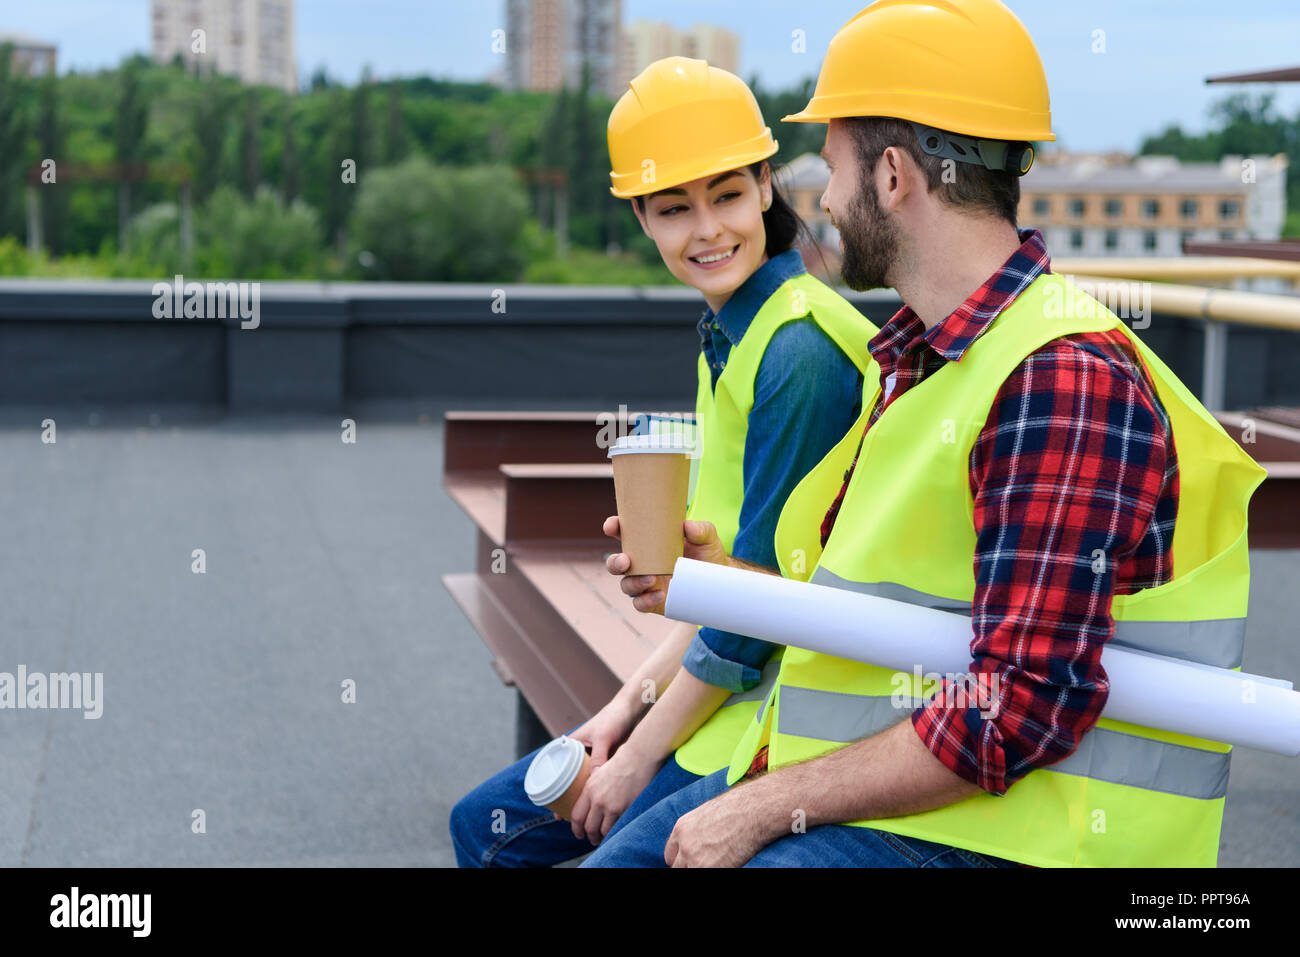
(715, 258)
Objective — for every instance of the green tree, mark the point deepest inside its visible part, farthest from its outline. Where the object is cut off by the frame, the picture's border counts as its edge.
(395, 145)
(129, 129)
(258, 238)
(155, 239)
(290, 162)
(338, 193)
(54, 197)
(211, 113)
(250, 151)
(430, 223)
(793, 139)
(13, 154)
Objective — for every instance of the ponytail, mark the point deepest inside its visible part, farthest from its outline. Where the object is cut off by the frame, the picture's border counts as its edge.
(784, 227)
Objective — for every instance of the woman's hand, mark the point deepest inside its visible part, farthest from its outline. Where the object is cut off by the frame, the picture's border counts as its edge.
(609, 792)
(649, 592)
(607, 729)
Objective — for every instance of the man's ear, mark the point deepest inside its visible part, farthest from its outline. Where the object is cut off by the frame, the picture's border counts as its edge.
(896, 174)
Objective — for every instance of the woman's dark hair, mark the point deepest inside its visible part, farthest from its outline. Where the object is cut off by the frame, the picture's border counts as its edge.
(783, 226)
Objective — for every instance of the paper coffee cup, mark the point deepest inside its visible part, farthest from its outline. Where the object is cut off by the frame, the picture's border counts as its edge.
(652, 474)
(556, 777)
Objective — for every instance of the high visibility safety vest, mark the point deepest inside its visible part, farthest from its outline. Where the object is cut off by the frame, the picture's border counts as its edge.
(1128, 795)
(722, 418)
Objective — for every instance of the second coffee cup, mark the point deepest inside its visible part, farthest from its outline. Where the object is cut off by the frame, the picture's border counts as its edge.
(556, 776)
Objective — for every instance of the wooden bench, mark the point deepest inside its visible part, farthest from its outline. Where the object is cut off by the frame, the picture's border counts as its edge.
(561, 632)
(1274, 517)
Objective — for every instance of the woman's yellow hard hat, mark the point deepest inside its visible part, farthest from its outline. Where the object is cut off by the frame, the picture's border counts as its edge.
(680, 120)
(966, 66)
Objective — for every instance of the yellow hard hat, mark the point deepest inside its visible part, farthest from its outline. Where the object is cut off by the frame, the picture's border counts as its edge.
(680, 120)
(965, 66)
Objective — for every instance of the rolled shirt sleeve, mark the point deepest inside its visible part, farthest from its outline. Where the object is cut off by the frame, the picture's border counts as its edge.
(807, 394)
(1074, 470)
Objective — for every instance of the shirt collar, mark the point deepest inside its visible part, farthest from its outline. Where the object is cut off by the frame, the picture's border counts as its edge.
(955, 334)
(739, 310)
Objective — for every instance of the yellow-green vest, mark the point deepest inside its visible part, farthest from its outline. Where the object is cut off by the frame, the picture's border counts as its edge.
(722, 418)
(1128, 795)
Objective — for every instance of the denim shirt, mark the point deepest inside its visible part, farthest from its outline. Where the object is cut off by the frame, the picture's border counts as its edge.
(807, 395)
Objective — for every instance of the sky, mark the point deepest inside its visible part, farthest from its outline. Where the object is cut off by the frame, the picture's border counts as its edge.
(1150, 75)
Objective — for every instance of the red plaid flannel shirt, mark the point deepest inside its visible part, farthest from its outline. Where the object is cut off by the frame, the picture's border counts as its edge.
(1076, 456)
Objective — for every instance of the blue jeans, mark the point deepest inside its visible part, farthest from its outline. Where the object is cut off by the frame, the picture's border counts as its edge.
(496, 825)
(642, 842)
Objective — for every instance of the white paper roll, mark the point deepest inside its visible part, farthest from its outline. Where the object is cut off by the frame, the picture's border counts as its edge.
(1146, 689)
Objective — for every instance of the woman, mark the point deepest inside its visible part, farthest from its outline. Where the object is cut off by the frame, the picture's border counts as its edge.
(780, 376)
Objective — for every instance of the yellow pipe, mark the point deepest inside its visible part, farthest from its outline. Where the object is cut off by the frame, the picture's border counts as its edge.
(1199, 302)
(1186, 267)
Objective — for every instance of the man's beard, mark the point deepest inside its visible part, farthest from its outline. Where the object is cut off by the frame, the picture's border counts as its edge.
(871, 242)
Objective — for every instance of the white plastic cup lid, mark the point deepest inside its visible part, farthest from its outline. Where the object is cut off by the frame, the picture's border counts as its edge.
(553, 770)
(664, 442)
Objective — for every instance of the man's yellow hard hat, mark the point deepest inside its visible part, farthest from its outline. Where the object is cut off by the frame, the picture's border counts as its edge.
(965, 66)
(680, 120)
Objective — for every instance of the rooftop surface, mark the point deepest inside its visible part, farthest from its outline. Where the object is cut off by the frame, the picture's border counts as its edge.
(222, 691)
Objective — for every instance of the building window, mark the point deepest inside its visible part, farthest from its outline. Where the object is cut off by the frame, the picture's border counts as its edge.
(1229, 209)
(1112, 239)
(1191, 209)
(1077, 207)
(1227, 235)
(1042, 206)
(1149, 239)
(1185, 237)
(1076, 239)
(1150, 208)
(1114, 208)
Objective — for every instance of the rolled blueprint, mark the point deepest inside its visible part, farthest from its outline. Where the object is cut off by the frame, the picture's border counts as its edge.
(1146, 689)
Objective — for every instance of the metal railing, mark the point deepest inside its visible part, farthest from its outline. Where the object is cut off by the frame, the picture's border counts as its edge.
(1216, 308)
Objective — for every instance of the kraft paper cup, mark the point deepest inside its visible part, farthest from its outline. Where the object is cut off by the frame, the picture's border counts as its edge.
(652, 474)
(556, 777)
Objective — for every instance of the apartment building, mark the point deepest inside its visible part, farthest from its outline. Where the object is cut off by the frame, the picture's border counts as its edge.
(549, 42)
(250, 39)
(1115, 205)
(29, 56)
(645, 41)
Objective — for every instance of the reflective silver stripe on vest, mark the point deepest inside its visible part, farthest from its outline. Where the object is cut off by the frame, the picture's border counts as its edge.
(891, 590)
(760, 690)
(837, 716)
(1217, 641)
(1106, 755)
(1102, 754)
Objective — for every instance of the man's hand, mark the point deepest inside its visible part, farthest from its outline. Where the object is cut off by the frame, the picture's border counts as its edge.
(609, 792)
(649, 592)
(724, 832)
